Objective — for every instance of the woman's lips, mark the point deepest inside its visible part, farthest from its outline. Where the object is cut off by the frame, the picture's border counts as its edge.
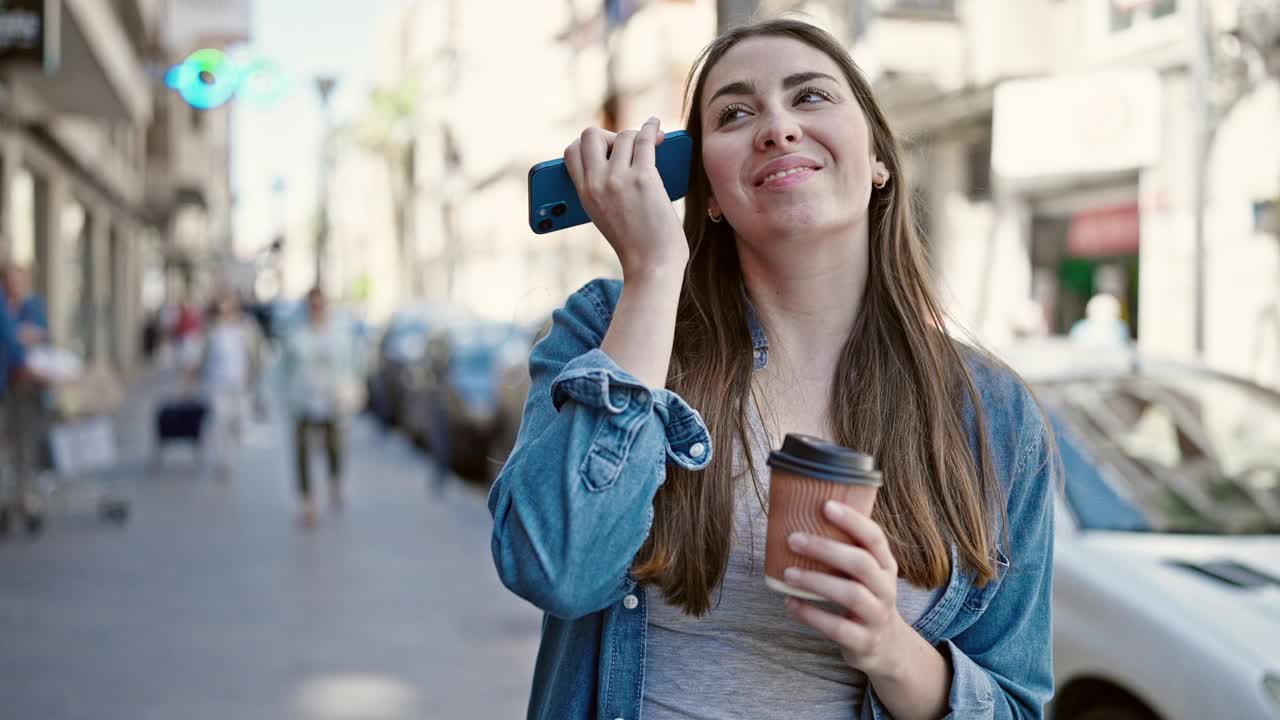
(788, 179)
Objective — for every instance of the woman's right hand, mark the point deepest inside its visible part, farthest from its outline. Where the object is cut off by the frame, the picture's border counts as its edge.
(618, 182)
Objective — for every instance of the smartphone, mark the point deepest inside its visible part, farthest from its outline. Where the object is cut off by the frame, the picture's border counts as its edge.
(554, 203)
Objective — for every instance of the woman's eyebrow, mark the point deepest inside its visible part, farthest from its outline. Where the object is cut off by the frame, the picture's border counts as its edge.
(739, 87)
(746, 87)
(795, 79)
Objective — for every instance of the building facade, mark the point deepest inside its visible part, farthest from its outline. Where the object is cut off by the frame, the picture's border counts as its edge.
(1053, 155)
(188, 183)
(112, 188)
(496, 87)
(72, 168)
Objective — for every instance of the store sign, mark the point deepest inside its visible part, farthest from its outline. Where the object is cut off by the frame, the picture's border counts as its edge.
(29, 32)
(1105, 232)
(1076, 125)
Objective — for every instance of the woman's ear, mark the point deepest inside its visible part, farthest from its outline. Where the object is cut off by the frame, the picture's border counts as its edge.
(879, 173)
(713, 208)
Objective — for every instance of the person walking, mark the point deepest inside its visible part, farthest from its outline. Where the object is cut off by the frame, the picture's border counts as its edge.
(188, 331)
(12, 359)
(26, 307)
(319, 368)
(793, 298)
(230, 367)
(24, 403)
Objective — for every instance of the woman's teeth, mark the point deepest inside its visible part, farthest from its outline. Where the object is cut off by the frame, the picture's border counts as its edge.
(784, 173)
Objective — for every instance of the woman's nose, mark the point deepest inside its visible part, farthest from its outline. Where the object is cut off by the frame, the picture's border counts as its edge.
(779, 129)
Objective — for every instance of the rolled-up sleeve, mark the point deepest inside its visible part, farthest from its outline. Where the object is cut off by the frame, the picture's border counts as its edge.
(574, 502)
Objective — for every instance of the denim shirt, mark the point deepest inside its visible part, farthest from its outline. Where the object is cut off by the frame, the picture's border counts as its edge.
(574, 504)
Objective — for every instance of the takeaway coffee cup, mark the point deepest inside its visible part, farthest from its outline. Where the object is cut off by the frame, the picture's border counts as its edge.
(807, 472)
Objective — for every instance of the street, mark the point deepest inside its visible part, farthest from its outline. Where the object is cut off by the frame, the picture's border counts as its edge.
(213, 603)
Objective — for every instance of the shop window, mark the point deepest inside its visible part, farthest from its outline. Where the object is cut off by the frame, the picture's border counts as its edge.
(927, 8)
(618, 12)
(1127, 14)
(1163, 8)
(978, 170)
(1121, 17)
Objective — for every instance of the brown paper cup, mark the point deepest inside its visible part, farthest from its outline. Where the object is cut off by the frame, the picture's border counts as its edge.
(806, 473)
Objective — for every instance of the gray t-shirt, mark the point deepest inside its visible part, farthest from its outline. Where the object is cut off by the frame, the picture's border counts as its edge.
(748, 657)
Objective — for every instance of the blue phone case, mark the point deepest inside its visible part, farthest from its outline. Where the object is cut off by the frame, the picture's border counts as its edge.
(554, 203)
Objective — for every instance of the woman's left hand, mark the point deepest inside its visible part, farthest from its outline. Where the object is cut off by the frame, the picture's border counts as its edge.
(864, 583)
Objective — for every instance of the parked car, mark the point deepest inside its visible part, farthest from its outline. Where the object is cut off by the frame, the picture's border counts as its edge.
(1167, 567)
(400, 350)
(513, 391)
(461, 390)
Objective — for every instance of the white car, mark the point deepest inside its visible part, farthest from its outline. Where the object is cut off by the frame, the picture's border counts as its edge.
(1167, 566)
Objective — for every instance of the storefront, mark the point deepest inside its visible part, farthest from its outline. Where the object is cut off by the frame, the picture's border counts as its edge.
(1075, 155)
(1082, 246)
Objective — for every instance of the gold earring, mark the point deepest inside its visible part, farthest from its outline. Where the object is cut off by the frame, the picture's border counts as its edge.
(881, 180)
(714, 217)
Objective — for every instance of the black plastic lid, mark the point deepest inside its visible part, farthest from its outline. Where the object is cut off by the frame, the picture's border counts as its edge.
(808, 455)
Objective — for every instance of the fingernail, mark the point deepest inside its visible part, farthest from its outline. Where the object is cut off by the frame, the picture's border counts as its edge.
(797, 540)
(791, 574)
(652, 119)
(834, 509)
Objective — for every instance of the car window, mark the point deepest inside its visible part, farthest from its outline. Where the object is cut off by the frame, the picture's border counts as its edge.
(1183, 451)
(1097, 502)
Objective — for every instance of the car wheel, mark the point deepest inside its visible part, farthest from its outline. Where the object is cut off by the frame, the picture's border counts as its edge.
(1115, 712)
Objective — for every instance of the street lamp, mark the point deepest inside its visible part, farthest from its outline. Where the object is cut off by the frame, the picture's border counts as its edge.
(325, 85)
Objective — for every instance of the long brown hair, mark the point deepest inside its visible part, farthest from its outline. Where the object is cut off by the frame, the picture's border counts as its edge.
(899, 388)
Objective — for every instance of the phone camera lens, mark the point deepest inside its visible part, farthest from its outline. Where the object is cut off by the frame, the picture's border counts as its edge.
(559, 209)
(545, 225)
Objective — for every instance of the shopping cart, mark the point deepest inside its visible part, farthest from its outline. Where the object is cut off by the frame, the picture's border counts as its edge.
(81, 467)
(84, 458)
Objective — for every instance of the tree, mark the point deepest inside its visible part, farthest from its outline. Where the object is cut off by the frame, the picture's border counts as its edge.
(387, 129)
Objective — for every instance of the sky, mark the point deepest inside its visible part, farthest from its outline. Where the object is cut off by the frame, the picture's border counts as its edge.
(306, 38)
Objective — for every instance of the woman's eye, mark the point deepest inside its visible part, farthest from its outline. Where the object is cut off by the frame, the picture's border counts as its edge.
(729, 114)
(810, 96)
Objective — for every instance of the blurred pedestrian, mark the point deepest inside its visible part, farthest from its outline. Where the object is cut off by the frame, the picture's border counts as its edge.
(25, 307)
(230, 367)
(188, 331)
(24, 404)
(12, 358)
(318, 369)
(1101, 324)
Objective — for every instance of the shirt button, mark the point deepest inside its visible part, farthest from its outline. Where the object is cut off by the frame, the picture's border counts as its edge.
(630, 602)
(697, 450)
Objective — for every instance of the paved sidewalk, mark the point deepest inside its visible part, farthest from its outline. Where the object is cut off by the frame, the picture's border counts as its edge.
(213, 604)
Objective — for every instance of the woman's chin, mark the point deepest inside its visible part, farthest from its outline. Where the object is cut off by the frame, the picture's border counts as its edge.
(795, 220)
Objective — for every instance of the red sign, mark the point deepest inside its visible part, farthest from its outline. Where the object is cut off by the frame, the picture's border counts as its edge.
(1105, 231)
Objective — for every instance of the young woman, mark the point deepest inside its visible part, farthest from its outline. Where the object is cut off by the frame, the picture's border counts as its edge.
(231, 366)
(794, 299)
(319, 359)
